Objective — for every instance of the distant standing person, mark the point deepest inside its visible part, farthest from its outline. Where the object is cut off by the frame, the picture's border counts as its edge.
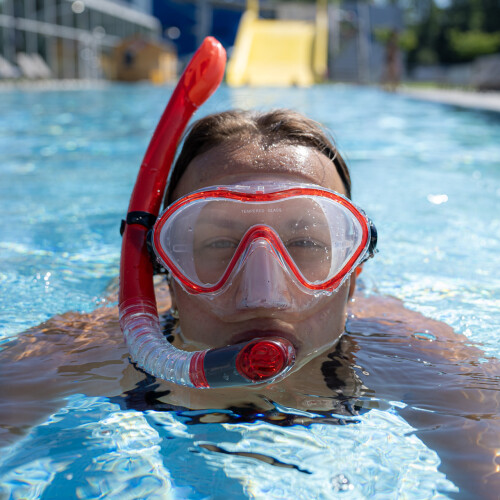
(392, 70)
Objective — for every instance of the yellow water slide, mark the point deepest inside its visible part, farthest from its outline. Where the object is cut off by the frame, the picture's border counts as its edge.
(279, 52)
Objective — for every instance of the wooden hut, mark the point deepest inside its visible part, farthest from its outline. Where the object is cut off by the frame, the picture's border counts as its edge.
(135, 59)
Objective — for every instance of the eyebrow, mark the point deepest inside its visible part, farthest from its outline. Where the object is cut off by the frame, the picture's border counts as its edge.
(222, 222)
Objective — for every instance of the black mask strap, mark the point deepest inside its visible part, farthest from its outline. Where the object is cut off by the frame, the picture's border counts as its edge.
(147, 220)
(143, 218)
(372, 246)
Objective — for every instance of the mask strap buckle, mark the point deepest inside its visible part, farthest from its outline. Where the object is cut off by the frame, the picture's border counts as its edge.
(143, 218)
(147, 220)
(372, 246)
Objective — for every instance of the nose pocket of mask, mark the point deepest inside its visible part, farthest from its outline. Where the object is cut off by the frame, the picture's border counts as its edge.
(261, 279)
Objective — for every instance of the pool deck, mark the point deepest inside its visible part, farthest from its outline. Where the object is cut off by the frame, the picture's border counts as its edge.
(486, 101)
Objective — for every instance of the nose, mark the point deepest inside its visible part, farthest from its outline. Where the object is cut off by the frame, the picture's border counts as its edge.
(262, 281)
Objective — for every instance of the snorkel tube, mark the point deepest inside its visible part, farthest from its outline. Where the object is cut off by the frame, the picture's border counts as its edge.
(255, 362)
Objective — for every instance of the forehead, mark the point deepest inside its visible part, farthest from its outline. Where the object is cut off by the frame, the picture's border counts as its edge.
(234, 163)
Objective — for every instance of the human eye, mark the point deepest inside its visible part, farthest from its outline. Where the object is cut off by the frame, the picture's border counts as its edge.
(305, 243)
(311, 255)
(211, 256)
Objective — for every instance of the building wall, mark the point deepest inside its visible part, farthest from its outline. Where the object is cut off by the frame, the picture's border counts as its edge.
(186, 23)
(68, 36)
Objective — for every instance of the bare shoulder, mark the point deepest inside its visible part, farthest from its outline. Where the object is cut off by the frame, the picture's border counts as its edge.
(449, 386)
(76, 333)
(411, 328)
(66, 334)
(390, 309)
(70, 353)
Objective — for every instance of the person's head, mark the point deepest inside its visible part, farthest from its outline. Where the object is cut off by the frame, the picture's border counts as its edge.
(235, 129)
(241, 148)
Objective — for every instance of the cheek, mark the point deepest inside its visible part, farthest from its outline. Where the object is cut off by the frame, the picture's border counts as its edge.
(326, 324)
(197, 324)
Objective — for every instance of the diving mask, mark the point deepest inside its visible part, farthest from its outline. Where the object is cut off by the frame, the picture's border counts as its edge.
(267, 244)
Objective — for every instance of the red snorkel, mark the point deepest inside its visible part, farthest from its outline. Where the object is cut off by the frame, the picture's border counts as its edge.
(257, 361)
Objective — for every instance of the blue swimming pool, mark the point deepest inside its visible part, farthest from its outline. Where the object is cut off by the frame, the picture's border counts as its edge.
(427, 174)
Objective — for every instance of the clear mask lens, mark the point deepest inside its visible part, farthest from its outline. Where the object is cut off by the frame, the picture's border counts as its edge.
(313, 237)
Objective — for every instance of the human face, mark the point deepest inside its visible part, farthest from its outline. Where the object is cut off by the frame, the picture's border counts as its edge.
(313, 330)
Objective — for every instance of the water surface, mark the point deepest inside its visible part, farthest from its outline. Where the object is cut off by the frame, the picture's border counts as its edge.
(427, 174)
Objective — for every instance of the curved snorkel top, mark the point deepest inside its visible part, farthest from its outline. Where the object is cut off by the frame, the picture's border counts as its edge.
(254, 362)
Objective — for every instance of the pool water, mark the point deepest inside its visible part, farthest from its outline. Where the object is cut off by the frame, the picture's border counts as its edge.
(427, 174)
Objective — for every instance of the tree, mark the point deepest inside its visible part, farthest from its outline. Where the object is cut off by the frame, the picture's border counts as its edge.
(457, 32)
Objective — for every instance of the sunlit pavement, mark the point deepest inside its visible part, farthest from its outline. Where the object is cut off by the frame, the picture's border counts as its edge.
(489, 101)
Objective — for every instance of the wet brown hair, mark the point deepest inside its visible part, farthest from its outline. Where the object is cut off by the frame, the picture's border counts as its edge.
(281, 126)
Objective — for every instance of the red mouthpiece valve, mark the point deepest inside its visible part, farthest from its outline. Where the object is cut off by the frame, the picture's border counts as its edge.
(264, 359)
